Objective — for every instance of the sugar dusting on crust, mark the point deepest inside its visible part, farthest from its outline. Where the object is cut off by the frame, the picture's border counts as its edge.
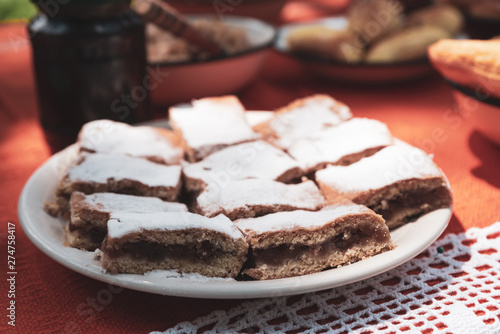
(304, 117)
(298, 219)
(105, 136)
(116, 202)
(212, 121)
(393, 163)
(258, 192)
(101, 167)
(256, 159)
(332, 144)
(123, 223)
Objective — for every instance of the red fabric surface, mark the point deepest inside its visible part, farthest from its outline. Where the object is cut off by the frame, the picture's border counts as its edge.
(51, 298)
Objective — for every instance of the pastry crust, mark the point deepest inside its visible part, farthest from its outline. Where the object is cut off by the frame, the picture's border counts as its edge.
(181, 241)
(155, 144)
(256, 159)
(87, 225)
(286, 244)
(210, 125)
(403, 184)
(303, 118)
(119, 174)
(257, 197)
(344, 144)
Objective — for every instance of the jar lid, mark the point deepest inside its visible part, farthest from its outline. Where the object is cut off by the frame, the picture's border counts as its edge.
(80, 7)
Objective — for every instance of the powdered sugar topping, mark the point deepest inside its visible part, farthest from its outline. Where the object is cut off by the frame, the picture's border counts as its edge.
(212, 121)
(253, 192)
(299, 219)
(310, 115)
(101, 167)
(393, 163)
(117, 202)
(332, 144)
(123, 223)
(256, 159)
(105, 136)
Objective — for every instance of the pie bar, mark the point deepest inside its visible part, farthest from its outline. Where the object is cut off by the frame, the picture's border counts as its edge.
(119, 174)
(302, 119)
(86, 228)
(189, 243)
(256, 159)
(309, 189)
(105, 136)
(399, 182)
(257, 197)
(211, 124)
(343, 144)
(294, 243)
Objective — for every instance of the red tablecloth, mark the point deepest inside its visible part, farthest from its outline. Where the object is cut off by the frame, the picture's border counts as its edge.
(50, 297)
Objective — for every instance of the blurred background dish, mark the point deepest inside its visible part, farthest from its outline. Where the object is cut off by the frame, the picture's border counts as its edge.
(352, 72)
(192, 75)
(375, 42)
(483, 110)
(472, 68)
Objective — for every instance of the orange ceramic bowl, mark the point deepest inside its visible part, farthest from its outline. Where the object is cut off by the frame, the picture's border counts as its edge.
(184, 81)
(480, 108)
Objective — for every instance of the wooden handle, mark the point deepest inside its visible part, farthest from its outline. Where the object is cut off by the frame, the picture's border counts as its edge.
(167, 18)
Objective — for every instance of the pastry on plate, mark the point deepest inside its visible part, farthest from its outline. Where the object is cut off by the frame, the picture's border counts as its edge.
(119, 174)
(400, 182)
(343, 144)
(155, 144)
(186, 242)
(89, 214)
(252, 160)
(294, 243)
(471, 63)
(211, 124)
(257, 197)
(303, 118)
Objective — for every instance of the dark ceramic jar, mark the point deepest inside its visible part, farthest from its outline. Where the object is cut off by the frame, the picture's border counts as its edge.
(90, 63)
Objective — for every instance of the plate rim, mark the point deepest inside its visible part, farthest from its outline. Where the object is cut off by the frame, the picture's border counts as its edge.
(217, 289)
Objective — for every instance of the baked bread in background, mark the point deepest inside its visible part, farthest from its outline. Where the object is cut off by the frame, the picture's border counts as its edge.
(379, 31)
(324, 42)
(445, 16)
(407, 44)
(471, 63)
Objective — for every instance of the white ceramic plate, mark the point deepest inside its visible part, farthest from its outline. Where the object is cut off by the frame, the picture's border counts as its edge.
(361, 73)
(47, 234)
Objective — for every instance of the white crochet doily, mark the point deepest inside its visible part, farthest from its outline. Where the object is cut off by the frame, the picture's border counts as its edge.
(458, 293)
